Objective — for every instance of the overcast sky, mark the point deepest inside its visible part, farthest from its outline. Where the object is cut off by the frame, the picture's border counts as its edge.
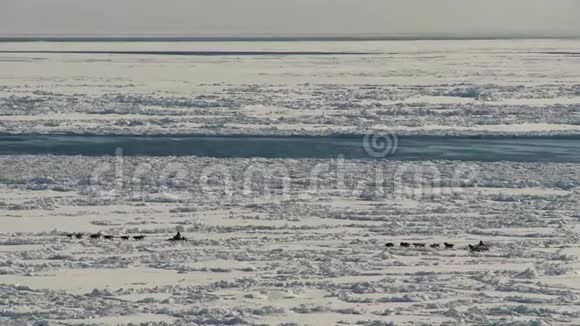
(289, 17)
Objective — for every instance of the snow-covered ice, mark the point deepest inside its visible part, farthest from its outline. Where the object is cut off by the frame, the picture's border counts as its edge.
(427, 87)
(289, 241)
(290, 255)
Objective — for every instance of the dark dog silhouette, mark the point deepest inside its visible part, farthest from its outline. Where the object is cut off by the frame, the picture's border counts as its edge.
(108, 237)
(139, 237)
(95, 236)
(419, 245)
(405, 244)
(124, 237)
(390, 245)
(434, 245)
(449, 245)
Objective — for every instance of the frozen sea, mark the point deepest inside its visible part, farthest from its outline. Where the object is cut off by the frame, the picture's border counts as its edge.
(291, 88)
(289, 166)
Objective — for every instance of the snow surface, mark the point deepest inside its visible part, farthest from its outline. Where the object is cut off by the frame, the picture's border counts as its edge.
(289, 241)
(287, 255)
(427, 87)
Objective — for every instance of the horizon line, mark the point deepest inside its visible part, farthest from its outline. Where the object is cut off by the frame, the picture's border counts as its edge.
(267, 37)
